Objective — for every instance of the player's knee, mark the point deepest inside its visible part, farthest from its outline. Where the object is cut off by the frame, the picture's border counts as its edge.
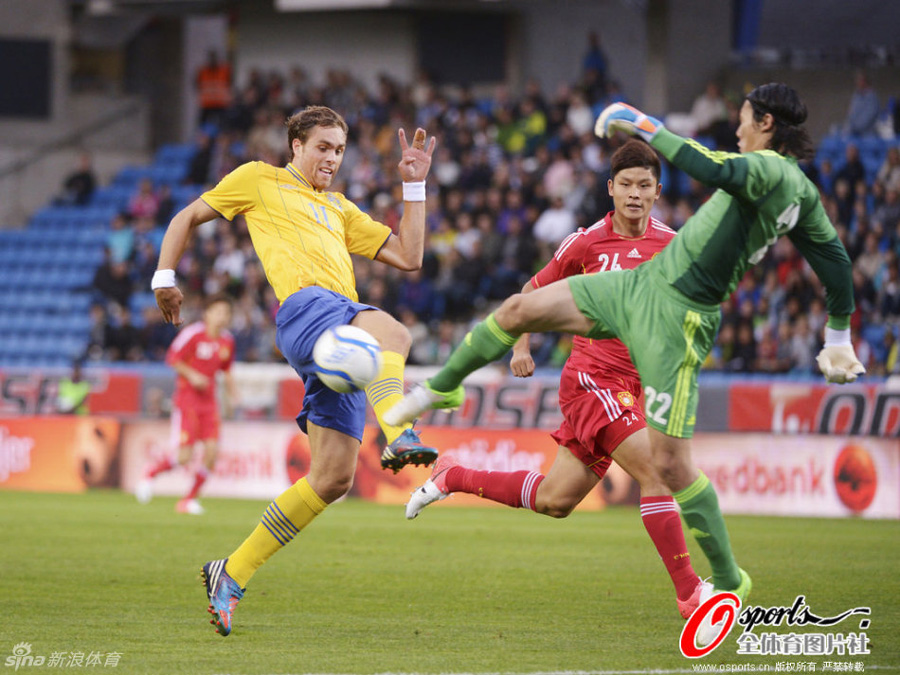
(511, 314)
(556, 506)
(395, 336)
(334, 487)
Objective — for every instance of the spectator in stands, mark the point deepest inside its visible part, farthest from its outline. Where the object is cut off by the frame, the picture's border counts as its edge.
(145, 203)
(124, 338)
(213, 89)
(552, 226)
(165, 206)
(864, 107)
(98, 333)
(113, 281)
(852, 169)
(120, 240)
(887, 215)
(198, 170)
(155, 335)
(79, 185)
(804, 346)
(707, 111)
(594, 65)
(889, 172)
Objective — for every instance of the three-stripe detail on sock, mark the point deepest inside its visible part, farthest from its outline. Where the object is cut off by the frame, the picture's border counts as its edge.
(529, 489)
(381, 390)
(278, 524)
(650, 508)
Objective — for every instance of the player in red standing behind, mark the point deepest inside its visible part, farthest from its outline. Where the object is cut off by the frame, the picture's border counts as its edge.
(198, 352)
(599, 390)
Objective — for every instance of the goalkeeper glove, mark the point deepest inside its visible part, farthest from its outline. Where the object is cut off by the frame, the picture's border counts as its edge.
(623, 117)
(837, 360)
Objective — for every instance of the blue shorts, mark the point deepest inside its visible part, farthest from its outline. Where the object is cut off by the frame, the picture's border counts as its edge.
(301, 319)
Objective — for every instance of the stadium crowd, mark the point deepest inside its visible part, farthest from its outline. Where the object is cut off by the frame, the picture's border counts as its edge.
(512, 176)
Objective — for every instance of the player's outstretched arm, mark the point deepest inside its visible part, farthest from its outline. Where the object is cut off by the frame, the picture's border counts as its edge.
(168, 295)
(837, 360)
(405, 251)
(623, 117)
(522, 363)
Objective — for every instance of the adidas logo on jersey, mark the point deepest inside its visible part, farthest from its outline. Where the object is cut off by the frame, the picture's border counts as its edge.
(634, 253)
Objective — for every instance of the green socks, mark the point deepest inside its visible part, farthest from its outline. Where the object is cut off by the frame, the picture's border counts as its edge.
(485, 343)
(700, 509)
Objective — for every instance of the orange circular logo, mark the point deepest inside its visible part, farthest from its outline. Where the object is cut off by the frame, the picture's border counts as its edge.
(855, 478)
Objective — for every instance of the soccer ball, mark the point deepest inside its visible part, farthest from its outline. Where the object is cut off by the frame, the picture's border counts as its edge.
(346, 358)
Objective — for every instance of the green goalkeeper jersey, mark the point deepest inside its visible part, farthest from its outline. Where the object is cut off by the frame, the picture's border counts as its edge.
(760, 197)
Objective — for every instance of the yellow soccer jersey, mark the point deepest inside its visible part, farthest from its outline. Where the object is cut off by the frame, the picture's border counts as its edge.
(303, 236)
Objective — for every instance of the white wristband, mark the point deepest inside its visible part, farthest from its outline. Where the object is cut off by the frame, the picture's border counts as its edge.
(414, 192)
(162, 279)
(837, 338)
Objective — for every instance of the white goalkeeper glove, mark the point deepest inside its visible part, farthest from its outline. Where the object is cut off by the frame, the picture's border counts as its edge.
(837, 360)
(623, 117)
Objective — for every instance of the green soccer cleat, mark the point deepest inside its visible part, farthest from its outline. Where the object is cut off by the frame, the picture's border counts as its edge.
(707, 632)
(421, 398)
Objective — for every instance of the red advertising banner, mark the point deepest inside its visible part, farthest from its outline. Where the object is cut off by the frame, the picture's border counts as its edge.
(35, 392)
(58, 454)
(856, 410)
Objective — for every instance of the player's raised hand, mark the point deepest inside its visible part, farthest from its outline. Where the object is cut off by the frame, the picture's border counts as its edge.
(169, 301)
(839, 364)
(415, 160)
(623, 117)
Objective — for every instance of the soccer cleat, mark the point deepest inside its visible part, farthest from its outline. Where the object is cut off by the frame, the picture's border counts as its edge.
(223, 593)
(407, 449)
(143, 491)
(701, 593)
(421, 398)
(190, 506)
(707, 632)
(434, 489)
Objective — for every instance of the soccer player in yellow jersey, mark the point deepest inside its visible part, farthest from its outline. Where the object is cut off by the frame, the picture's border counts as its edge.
(304, 236)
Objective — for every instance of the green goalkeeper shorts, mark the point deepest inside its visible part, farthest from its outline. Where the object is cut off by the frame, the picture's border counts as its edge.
(668, 335)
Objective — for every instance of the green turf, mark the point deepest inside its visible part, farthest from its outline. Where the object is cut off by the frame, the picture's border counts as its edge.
(365, 591)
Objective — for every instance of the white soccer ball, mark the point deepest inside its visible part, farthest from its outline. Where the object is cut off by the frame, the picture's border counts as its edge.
(346, 358)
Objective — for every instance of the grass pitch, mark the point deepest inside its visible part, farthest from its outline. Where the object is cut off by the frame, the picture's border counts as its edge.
(362, 590)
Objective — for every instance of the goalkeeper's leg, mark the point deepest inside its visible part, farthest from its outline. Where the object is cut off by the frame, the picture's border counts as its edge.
(551, 308)
(699, 505)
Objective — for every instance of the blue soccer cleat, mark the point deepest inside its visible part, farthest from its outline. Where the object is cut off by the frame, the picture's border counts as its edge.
(223, 592)
(407, 449)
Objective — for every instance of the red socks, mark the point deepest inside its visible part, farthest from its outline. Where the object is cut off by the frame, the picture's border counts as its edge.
(663, 524)
(199, 479)
(162, 465)
(513, 488)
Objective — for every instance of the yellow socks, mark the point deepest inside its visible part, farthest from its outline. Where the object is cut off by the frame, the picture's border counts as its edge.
(386, 390)
(291, 511)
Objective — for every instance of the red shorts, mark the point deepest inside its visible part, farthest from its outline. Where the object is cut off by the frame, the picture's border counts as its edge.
(598, 415)
(194, 423)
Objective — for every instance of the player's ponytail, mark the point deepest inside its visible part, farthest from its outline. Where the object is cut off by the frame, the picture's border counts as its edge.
(780, 101)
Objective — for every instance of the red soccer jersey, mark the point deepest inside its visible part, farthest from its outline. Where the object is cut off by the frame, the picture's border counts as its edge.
(205, 354)
(600, 249)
